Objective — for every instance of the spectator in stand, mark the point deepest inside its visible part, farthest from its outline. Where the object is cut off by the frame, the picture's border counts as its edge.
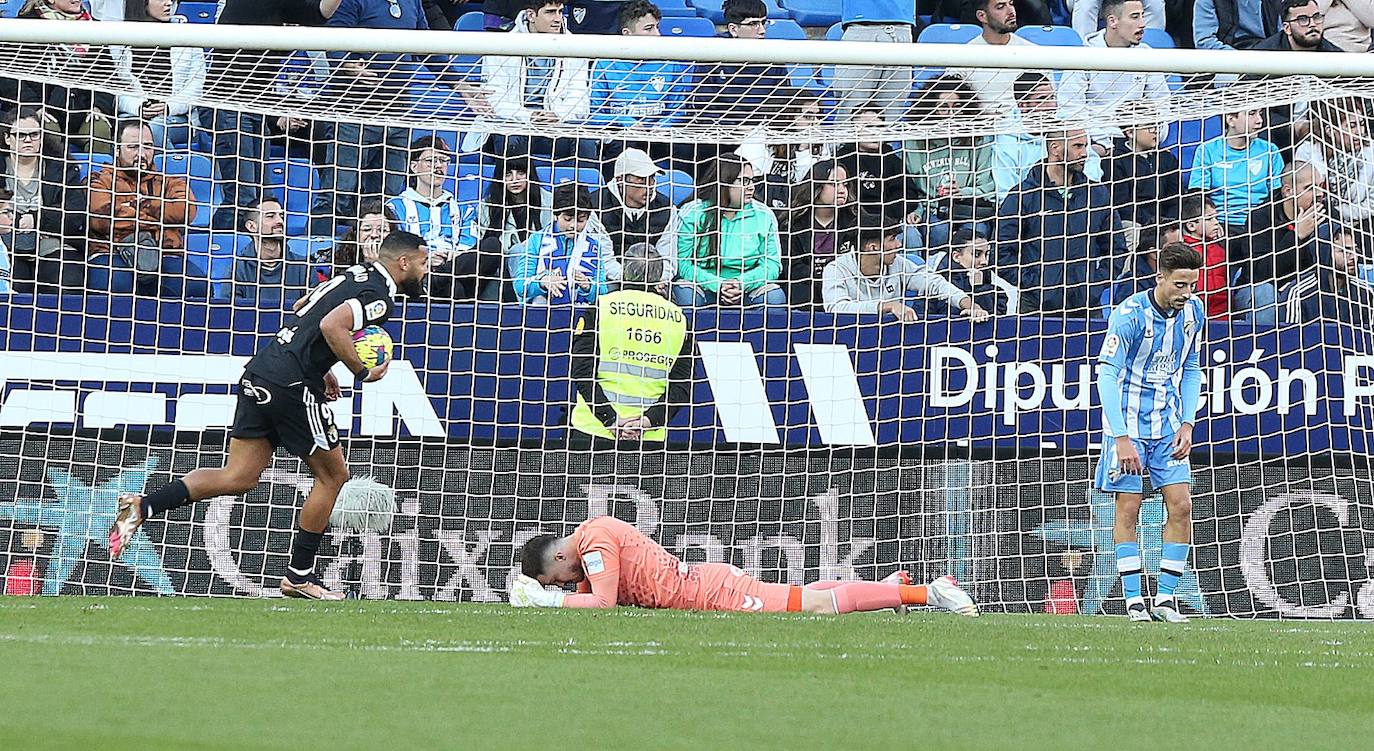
(1332, 291)
(371, 159)
(1086, 15)
(1145, 180)
(644, 93)
(1302, 31)
(152, 71)
(1340, 150)
(965, 264)
(1348, 23)
(49, 206)
(1020, 143)
(514, 207)
(263, 275)
(81, 116)
(994, 86)
(460, 269)
(1280, 238)
(6, 238)
(566, 262)
(883, 88)
(500, 14)
(1202, 231)
(1102, 97)
(542, 92)
(138, 218)
(952, 177)
(822, 216)
(728, 249)
(730, 93)
(361, 242)
(631, 211)
(1234, 24)
(1141, 271)
(784, 164)
(881, 183)
(1058, 236)
(875, 278)
(1238, 169)
(238, 140)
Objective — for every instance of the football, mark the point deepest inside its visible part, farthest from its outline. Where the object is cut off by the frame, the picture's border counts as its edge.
(373, 345)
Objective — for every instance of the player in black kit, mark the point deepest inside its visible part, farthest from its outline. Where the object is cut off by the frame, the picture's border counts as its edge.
(281, 402)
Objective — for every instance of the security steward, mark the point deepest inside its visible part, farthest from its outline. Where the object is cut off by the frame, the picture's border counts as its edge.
(631, 358)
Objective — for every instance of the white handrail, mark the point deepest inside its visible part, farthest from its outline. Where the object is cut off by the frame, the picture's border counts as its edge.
(1321, 64)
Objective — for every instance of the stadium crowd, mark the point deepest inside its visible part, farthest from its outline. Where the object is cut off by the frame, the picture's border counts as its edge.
(151, 192)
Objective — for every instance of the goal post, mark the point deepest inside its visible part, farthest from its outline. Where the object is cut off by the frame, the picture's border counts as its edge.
(825, 436)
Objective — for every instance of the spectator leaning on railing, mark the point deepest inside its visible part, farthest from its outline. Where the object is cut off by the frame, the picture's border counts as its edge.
(139, 217)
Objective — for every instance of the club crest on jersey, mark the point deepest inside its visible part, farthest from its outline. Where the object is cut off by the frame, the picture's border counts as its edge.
(593, 564)
(579, 14)
(1189, 327)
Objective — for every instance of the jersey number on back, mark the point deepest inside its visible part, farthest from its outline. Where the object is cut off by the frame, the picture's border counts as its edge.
(356, 273)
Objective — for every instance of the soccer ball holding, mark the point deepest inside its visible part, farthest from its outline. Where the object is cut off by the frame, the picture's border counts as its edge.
(374, 346)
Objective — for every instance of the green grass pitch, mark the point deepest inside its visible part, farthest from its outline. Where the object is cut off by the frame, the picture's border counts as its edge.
(146, 673)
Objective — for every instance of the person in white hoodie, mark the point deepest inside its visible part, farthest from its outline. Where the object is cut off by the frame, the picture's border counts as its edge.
(180, 70)
(539, 92)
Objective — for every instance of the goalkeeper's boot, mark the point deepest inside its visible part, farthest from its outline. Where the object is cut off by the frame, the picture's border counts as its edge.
(945, 593)
(128, 518)
(900, 576)
(308, 588)
(1166, 610)
(1137, 611)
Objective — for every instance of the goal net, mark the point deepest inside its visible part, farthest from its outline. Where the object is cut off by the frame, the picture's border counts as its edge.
(167, 192)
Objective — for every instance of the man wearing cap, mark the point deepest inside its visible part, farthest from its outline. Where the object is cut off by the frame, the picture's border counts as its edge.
(631, 209)
(631, 359)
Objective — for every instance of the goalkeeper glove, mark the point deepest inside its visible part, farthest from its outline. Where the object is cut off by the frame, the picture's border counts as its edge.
(528, 593)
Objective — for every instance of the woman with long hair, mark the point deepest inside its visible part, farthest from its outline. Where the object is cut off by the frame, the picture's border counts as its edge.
(822, 214)
(167, 82)
(781, 159)
(952, 176)
(514, 206)
(49, 204)
(727, 242)
(1340, 149)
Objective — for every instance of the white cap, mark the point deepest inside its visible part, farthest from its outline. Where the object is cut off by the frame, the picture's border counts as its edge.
(635, 162)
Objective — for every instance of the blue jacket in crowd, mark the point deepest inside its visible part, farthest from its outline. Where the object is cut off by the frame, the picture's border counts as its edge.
(649, 93)
(1058, 247)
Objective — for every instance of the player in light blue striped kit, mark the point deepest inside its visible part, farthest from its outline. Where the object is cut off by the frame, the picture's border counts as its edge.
(1149, 380)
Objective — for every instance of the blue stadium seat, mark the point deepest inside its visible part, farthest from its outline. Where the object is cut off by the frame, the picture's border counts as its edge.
(294, 181)
(88, 163)
(218, 252)
(786, 28)
(1050, 36)
(10, 8)
(676, 186)
(468, 181)
(1186, 135)
(678, 11)
(474, 21)
(687, 27)
(949, 33)
(813, 12)
(198, 12)
(834, 33)
(552, 177)
(714, 9)
(1159, 39)
(200, 172)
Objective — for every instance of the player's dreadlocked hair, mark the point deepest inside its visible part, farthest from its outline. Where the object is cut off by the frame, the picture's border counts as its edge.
(534, 555)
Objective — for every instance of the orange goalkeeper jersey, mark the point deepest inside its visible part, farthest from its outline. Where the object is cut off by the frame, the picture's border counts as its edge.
(624, 567)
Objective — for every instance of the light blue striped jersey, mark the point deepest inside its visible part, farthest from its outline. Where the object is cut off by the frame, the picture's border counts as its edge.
(1157, 356)
(444, 224)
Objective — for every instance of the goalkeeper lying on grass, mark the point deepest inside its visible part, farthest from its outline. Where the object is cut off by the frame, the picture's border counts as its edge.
(612, 563)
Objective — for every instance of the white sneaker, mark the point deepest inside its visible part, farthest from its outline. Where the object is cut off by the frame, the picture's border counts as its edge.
(1167, 611)
(1136, 611)
(128, 518)
(945, 593)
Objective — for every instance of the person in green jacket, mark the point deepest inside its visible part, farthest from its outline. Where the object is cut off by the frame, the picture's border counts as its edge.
(953, 176)
(727, 243)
